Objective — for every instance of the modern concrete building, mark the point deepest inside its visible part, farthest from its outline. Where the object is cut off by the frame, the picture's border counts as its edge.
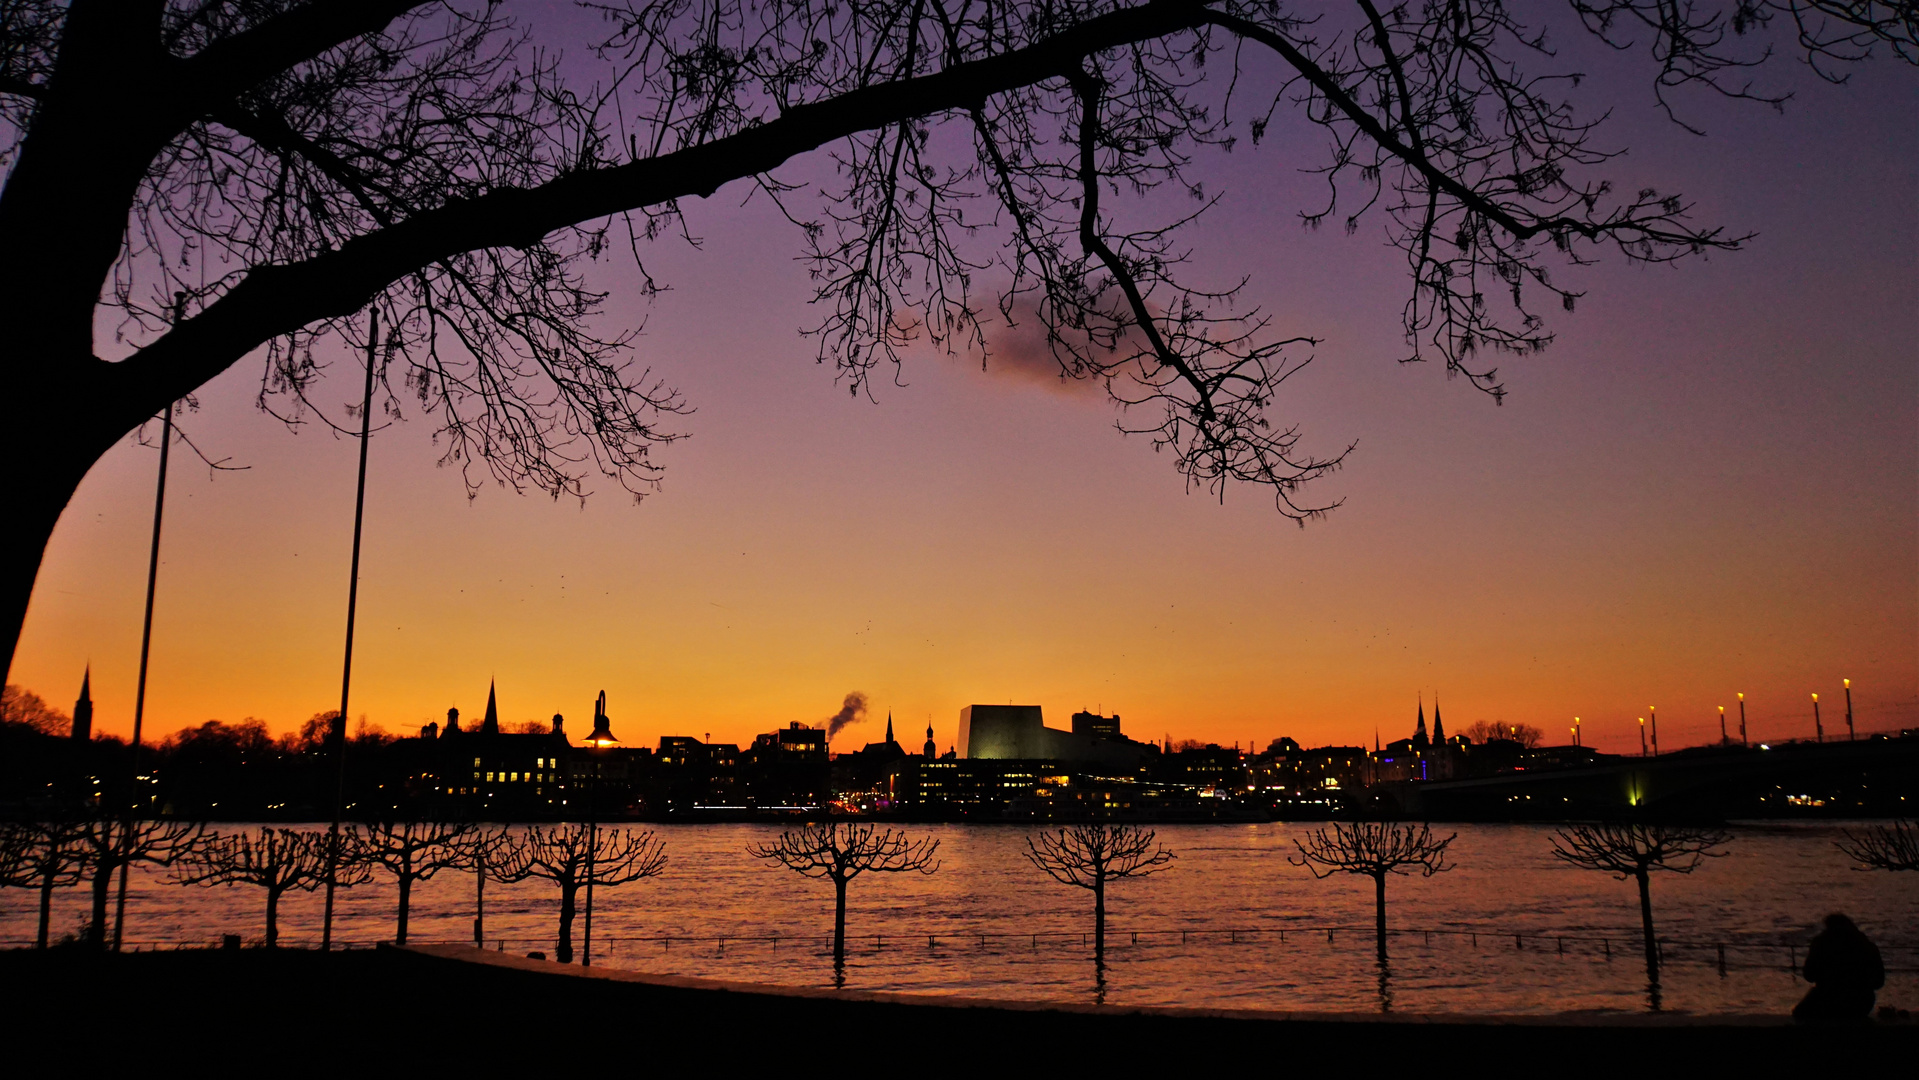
(1019, 732)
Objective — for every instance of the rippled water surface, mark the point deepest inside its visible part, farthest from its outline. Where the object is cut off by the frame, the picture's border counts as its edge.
(1548, 937)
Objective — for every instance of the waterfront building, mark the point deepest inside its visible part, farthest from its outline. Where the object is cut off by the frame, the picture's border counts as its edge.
(788, 767)
(498, 773)
(1019, 732)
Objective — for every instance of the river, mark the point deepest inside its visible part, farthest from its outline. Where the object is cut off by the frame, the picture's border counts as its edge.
(1514, 931)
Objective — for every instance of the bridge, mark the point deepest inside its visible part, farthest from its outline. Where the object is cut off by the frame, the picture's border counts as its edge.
(1873, 777)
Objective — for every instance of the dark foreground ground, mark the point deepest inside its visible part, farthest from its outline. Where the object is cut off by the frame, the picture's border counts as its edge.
(296, 1012)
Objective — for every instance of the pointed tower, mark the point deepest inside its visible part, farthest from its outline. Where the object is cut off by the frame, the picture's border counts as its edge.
(83, 709)
(1439, 729)
(491, 725)
(1420, 741)
(889, 726)
(930, 750)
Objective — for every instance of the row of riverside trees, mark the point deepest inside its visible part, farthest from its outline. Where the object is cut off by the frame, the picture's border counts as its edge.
(1092, 856)
(50, 855)
(57, 854)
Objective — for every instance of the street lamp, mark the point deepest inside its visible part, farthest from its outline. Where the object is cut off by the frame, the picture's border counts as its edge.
(1642, 736)
(1654, 713)
(1722, 726)
(1577, 741)
(1819, 729)
(1850, 733)
(1742, 721)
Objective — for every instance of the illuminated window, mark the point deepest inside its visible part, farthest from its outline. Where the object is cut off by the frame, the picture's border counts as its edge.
(489, 778)
(476, 763)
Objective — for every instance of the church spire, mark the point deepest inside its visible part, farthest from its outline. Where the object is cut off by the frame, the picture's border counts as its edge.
(1439, 729)
(930, 750)
(491, 725)
(1419, 732)
(83, 708)
(889, 725)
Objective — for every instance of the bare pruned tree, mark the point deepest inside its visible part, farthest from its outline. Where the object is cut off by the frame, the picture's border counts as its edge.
(839, 851)
(1088, 856)
(43, 855)
(573, 855)
(1633, 850)
(276, 860)
(1892, 846)
(113, 842)
(1375, 849)
(412, 851)
(488, 853)
(219, 178)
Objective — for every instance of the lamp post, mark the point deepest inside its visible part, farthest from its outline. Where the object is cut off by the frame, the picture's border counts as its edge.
(1576, 733)
(1851, 735)
(1742, 721)
(1654, 713)
(1642, 736)
(1818, 729)
(1722, 726)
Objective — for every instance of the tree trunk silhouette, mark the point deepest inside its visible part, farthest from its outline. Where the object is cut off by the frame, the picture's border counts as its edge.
(273, 916)
(49, 880)
(563, 950)
(1645, 919)
(406, 899)
(97, 918)
(1099, 918)
(1379, 913)
(479, 903)
(839, 923)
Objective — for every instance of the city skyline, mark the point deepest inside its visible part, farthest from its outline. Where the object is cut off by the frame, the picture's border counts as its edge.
(1706, 486)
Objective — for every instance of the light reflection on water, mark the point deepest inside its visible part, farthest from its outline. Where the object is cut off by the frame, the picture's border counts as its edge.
(1771, 890)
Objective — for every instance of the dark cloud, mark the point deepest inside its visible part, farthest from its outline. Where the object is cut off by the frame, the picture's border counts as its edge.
(852, 711)
(1019, 352)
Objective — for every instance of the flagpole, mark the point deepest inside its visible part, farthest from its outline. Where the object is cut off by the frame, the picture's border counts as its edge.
(146, 649)
(352, 605)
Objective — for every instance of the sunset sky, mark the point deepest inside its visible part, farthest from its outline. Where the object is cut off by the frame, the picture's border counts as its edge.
(1709, 484)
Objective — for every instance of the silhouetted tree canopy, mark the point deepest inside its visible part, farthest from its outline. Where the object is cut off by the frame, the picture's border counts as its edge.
(212, 179)
(1633, 850)
(1090, 856)
(44, 856)
(1893, 845)
(24, 708)
(1375, 849)
(572, 855)
(839, 851)
(275, 860)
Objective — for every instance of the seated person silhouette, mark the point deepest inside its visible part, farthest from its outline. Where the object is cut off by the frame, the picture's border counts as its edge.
(1845, 971)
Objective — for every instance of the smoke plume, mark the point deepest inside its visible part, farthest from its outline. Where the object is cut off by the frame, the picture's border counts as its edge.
(851, 712)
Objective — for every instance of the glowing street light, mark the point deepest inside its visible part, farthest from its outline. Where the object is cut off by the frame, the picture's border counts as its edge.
(1642, 736)
(1818, 728)
(1654, 713)
(1722, 726)
(1742, 721)
(1576, 734)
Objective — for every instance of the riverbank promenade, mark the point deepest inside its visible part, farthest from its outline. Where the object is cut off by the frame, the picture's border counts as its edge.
(436, 1005)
